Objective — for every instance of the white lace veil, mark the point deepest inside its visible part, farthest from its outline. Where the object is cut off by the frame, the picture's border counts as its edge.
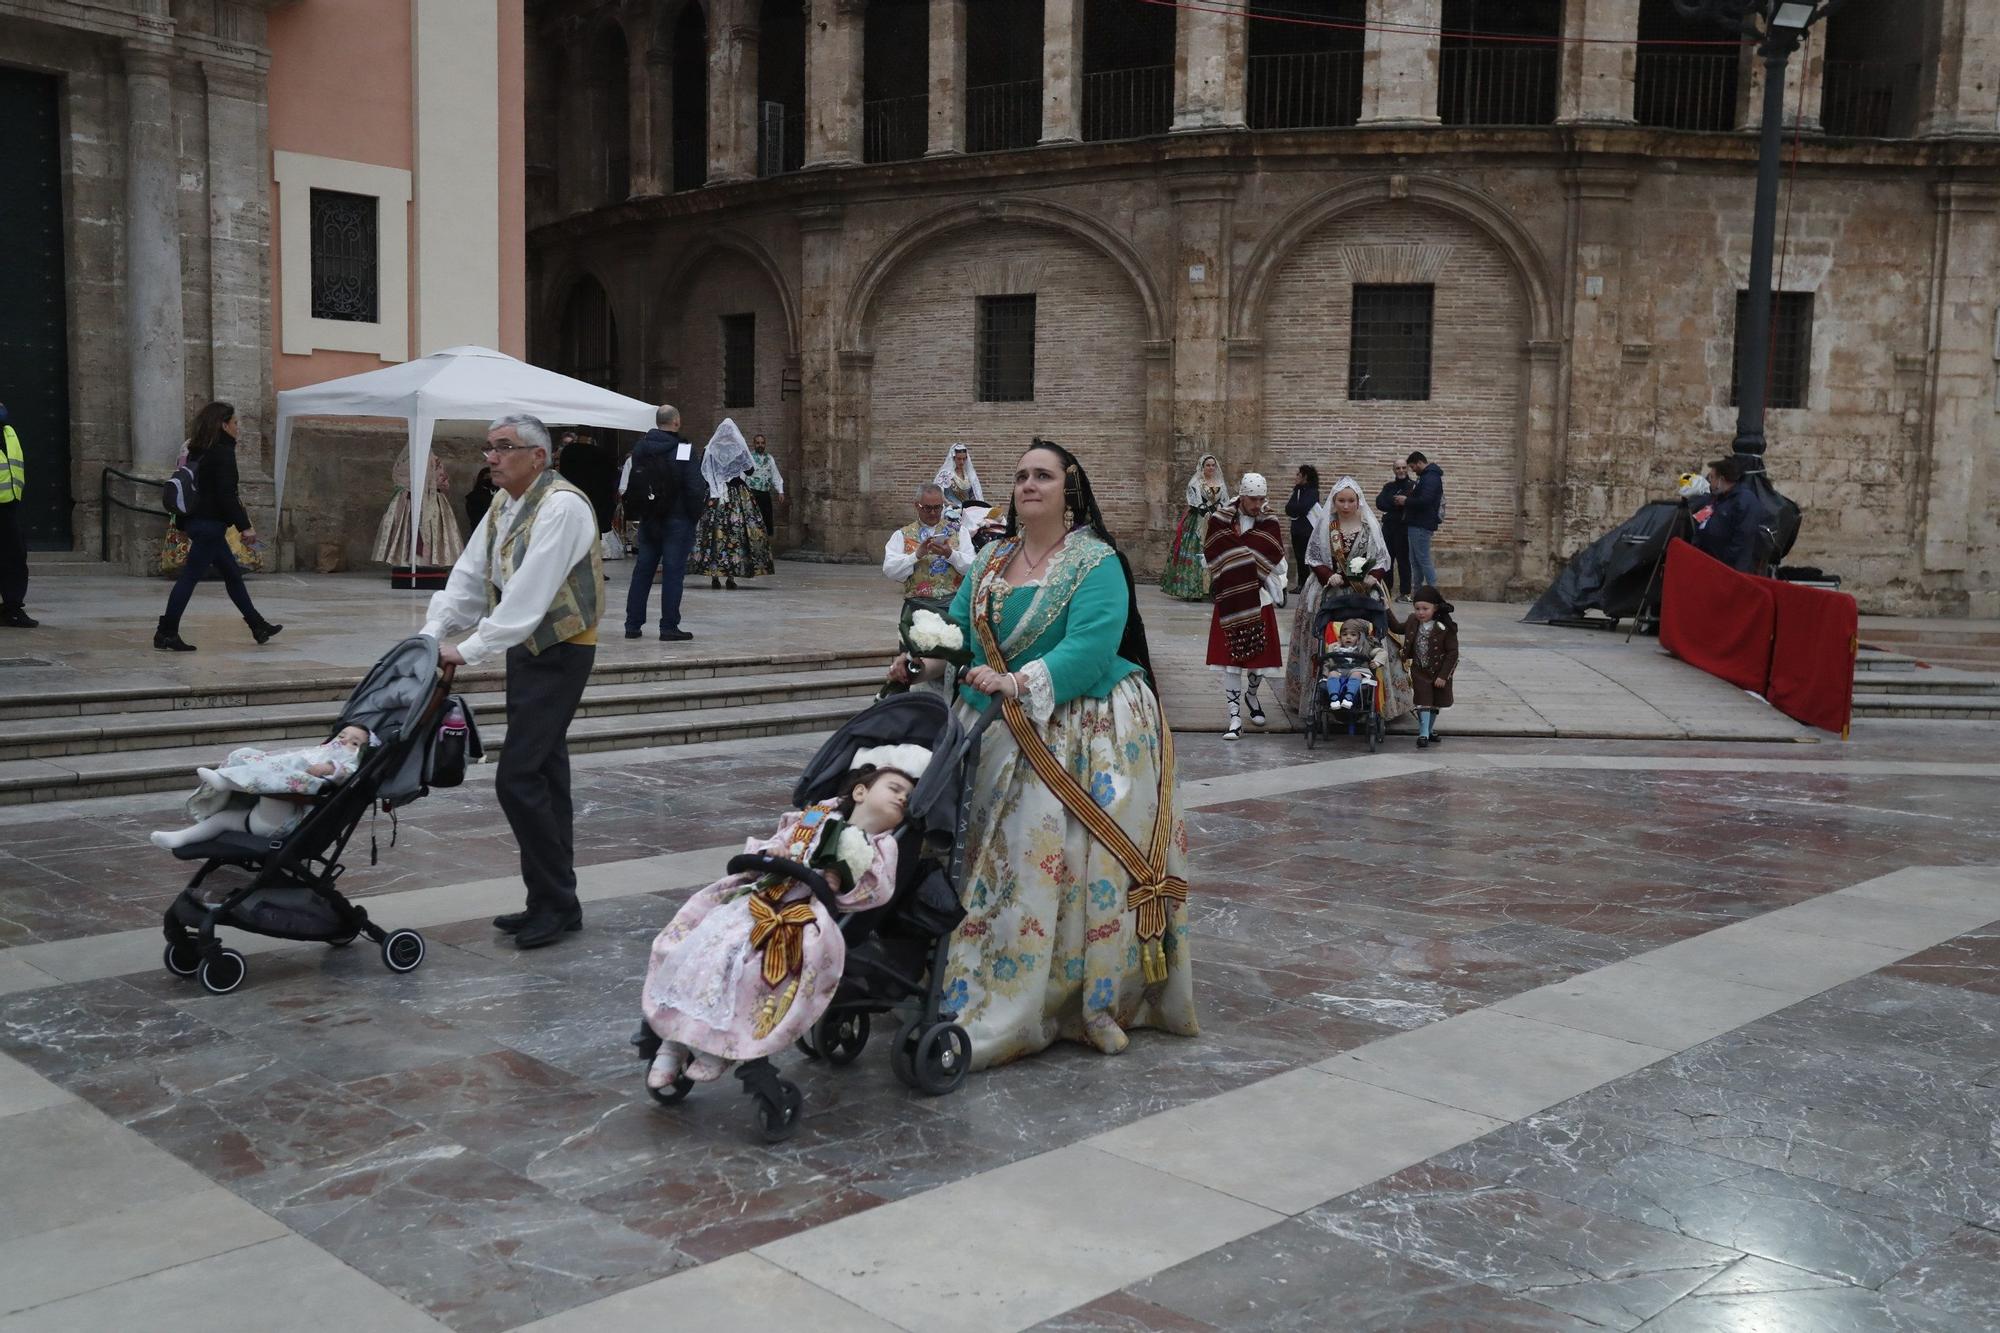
(727, 456)
(1378, 549)
(947, 476)
(1194, 482)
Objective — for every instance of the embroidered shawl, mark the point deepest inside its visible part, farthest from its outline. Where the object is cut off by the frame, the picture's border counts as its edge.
(1238, 564)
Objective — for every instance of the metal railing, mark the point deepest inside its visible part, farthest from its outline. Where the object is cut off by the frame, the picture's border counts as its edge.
(1869, 99)
(1500, 83)
(1128, 103)
(106, 502)
(895, 129)
(1304, 90)
(1003, 115)
(1686, 90)
(781, 139)
(690, 158)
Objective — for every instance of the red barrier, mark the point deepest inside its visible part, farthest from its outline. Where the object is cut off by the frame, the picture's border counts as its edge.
(1717, 619)
(1812, 657)
(1793, 645)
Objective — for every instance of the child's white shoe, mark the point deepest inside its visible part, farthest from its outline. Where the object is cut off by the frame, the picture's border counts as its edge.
(210, 778)
(163, 839)
(667, 1065)
(706, 1068)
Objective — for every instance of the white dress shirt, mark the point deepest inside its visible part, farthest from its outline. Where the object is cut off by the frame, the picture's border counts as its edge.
(899, 558)
(565, 530)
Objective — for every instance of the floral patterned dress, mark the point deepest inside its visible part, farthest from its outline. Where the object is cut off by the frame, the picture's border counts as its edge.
(1050, 949)
(1186, 574)
(730, 541)
(250, 774)
(709, 983)
(1339, 548)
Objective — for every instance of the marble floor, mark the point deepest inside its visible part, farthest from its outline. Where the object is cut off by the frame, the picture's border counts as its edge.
(1508, 1034)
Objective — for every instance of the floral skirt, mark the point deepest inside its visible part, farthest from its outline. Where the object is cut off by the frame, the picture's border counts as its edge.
(1186, 574)
(1397, 695)
(730, 541)
(438, 539)
(1048, 950)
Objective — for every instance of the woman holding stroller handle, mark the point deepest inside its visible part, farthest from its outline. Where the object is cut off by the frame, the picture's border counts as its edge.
(215, 508)
(1346, 550)
(1076, 925)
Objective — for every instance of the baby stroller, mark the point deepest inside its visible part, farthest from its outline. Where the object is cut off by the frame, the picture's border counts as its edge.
(1340, 604)
(292, 893)
(895, 952)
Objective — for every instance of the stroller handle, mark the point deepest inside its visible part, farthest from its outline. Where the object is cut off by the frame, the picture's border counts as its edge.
(762, 863)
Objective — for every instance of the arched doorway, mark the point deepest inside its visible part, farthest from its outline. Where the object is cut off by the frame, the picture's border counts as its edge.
(587, 335)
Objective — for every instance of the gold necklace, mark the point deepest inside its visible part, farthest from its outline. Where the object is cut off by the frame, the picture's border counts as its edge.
(1033, 564)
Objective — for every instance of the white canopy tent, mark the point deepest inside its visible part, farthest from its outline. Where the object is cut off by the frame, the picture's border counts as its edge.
(457, 384)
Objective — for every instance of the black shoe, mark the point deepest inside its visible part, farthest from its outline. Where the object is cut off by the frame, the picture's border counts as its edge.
(635, 634)
(730, 584)
(1423, 742)
(715, 583)
(15, 618)
(263, 631)
(546, 928)
(512, 921)
(674, 636)
(168, 640)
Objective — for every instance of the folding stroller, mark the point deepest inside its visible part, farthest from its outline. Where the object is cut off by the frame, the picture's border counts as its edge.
(895, 952)
(291, 893)
(1321, 720)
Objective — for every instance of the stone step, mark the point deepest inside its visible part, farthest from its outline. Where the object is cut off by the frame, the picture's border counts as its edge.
(222, 729)
(63, 564)
(1926, 682)
(1932, 632)
(1872, 660)
(126, 772)
(334, 687)
(1980, 706)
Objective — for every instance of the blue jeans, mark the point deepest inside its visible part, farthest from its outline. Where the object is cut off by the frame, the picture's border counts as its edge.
(663, 542)
(208, 544)
(1421, 568)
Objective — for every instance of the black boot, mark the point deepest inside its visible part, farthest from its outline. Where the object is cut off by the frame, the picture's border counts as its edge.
(263, 630)
(167, 638)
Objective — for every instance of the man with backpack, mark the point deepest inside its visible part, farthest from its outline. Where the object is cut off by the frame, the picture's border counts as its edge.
(665, 493)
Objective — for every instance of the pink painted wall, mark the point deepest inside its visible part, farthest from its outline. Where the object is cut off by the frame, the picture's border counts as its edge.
(513, 182)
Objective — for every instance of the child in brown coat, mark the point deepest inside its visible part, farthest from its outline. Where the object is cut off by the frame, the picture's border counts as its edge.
(1430, 646)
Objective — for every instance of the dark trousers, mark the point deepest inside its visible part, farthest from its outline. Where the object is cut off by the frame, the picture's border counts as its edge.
(13, 557)
(1299, 570)
(208, 547)
(764, 503)
(543, 690)
(1398, 537)
(664, 544)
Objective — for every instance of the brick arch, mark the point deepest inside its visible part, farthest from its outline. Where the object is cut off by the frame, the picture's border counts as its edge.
(545, 329)
(687, 268)
(1481, 211)
(915, 238)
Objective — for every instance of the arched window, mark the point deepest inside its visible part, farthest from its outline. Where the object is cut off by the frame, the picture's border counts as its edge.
(1302, 75)
(587, 342)
(895, 80)
(1495, 71)
(1128, 69)
(1874, 71)
(690, 67)
(607, 89)
(781, 87)
(1003, 74)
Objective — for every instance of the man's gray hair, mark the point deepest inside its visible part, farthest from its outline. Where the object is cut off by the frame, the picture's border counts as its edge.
(667, 417)
(528, 430)
(929, 488)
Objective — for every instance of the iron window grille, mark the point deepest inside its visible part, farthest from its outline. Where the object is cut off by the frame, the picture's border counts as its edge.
(739, 360)
(1006, 370)
(1389, 342)
(346, 257)
(1790, 373)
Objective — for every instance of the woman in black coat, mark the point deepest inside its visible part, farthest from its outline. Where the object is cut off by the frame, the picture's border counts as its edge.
(1304, 499)
(215, 509)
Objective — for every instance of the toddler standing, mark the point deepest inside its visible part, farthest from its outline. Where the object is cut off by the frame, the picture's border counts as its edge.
(1430, 646)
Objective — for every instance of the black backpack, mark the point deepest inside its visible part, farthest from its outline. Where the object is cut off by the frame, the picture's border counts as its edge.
(177, 492)
(650, 491)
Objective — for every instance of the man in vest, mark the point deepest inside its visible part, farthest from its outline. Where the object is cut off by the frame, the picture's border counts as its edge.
(13, 537)
(530, 585)
(927, 556)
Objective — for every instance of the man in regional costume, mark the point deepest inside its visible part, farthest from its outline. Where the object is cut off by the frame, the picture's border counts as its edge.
(928, 556)
(1245, 550)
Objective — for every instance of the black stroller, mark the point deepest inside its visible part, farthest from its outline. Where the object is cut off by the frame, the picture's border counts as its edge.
(292, 893)
(1321, 719)
(895, 952)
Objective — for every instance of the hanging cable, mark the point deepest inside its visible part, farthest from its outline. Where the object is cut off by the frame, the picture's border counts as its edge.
(1785, 232)
(1298, 19)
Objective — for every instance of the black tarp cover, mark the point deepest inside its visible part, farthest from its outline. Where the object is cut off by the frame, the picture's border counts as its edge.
(1610, 574)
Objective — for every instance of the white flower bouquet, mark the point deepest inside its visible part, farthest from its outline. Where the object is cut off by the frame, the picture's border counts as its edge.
(1357, 569)
(926, 632)
(852, 851)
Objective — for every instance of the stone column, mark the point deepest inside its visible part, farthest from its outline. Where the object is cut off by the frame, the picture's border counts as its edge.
(1202, 210)
(1598, 62)
(1399, 69)
(1805, 76)
(238, 242)
(824, 484)
(646, 129)
(732, 103)
(833, 82)
(1210, 55)
(1963, 371)
(947, 68)
(1062, 71)
(1966, 99)
(153, 317)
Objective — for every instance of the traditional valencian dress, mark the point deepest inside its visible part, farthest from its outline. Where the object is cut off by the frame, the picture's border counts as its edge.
(1063, 939)
(750, 962)
(1332, 548)
(438, 540)
(959, 481)
(1186, 574)
(1246, 564)
(730, 541)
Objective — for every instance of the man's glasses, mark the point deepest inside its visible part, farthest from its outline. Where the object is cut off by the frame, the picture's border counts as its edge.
(507, 448)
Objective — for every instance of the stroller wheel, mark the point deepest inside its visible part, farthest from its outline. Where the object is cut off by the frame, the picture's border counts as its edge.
(805, 1043)
(778, 1118)
(840, 1037)
(673, 1092)
(402, 951)
(903, 1055)
(223, 973)
(942, 1058)
(183, 959)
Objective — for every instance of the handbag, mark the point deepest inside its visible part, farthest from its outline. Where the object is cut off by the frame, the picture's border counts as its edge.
(174, 548)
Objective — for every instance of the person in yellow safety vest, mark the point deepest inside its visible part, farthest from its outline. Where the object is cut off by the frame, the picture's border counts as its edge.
(13, 537)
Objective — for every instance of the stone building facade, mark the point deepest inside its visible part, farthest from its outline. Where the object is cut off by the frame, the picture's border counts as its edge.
(1580, 235)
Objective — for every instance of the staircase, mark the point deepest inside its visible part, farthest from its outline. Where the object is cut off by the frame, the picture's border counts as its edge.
(1890, 684)
(110, 741)
(1968, 646)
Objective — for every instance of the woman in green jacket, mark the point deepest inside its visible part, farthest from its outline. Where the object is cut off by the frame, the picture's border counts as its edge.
(1074, 853)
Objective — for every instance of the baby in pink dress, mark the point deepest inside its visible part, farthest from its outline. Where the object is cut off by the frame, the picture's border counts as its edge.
(246, 794)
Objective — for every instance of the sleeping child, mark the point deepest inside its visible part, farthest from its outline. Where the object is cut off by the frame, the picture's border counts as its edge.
(247, 793)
